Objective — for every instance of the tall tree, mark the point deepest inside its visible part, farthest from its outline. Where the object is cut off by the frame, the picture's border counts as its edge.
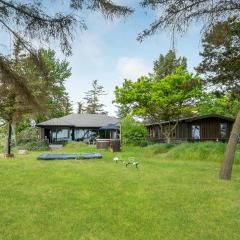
(12, 108)
(177, 16)
(54, 99)
(27, 21)
(92, 101)
(169, 99)
(166, 65)
(221, 59)
(80, 108)
(123, 110)
(212, 102)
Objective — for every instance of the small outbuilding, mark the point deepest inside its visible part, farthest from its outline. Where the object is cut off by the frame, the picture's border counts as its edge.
(79, 127)
(200, 128)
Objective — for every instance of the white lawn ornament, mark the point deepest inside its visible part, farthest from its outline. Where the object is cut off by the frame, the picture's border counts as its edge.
(117, 159)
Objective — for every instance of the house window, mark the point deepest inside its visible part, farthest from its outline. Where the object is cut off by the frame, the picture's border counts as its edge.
(223, 130)
(195, 132)
(59, 135)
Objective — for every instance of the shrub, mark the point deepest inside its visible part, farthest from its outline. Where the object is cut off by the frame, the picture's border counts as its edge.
(28, 139)
(133, 132)
(33, 145)
(27, 133)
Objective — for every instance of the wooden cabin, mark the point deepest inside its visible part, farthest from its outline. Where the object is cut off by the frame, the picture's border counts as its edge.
(201, 128)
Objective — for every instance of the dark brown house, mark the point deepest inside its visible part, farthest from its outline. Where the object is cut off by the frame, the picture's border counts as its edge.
(201, 128)
(79, 127)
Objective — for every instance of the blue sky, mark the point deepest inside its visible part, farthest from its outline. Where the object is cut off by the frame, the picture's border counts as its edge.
(109, 52)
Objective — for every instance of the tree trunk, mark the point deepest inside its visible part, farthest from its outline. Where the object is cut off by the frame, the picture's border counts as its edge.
(226, 169)
(9, 139)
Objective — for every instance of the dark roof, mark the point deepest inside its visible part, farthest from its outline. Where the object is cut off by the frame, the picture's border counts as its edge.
(191, 119)
(110, 127)
(80, 120)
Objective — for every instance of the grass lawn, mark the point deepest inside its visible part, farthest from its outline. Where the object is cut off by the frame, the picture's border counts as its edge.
(175, 194)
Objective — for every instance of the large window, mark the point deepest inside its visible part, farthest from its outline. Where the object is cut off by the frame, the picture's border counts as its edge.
(196, 132)
(82, 134)
(223, 130)
(59, 135)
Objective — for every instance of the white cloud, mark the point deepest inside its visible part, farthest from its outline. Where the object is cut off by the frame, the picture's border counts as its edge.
(132, 68)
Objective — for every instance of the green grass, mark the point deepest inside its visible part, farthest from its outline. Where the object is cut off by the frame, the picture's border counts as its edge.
(175, 194)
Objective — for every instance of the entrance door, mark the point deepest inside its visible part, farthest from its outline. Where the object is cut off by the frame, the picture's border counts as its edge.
(196, 132)
(47, 135)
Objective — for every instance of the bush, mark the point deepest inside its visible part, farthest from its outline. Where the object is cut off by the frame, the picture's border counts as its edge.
(28, 139)
(133, 132)
(33, 145)
(27, 133)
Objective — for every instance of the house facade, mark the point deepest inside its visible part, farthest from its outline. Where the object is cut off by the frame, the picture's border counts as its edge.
(79, 127)
(201, 128)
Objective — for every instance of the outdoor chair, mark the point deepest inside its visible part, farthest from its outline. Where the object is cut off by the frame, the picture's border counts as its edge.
(132, 161)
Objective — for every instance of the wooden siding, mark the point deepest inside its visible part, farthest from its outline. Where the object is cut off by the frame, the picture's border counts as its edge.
(209, 130)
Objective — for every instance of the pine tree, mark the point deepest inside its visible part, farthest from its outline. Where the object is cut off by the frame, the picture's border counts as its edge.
(167, 65)
(92, 101)
(80, 108)
(177, 16)
(220, 66)
(31, 20)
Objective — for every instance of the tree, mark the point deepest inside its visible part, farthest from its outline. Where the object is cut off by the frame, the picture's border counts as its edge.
(93, 105)
(177, 16)
(221, 66)
(123, 110)
(212, 102)
(27, 21)
(12, 108)
(80, 108)
(54, 100)
(166, 65)
(173, 97)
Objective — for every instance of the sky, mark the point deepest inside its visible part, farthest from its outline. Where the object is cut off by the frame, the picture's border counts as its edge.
(109, 52)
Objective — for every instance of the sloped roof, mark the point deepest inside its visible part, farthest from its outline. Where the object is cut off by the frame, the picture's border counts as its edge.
(80, 120)
(190, 119)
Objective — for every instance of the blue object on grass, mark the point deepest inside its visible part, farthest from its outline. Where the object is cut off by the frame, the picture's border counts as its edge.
(67, 156)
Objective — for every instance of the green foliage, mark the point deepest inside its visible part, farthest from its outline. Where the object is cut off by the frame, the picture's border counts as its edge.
(172, 97)
(92, 101)
(223, 104)
(167, 65)
(123, 110)
(220, 68)
(33, 145)
(54, 97)
(220, 64)
(28, 139)
(177, 16)
(132, 132)
(27, 133)
(46, 85)
(3, 130)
